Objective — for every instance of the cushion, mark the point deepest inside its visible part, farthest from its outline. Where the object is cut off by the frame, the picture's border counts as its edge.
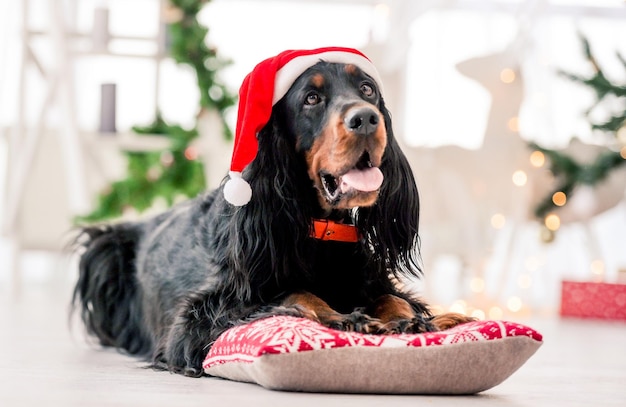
(289, 353)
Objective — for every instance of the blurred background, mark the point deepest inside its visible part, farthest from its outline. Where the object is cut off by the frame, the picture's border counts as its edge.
(511, 112)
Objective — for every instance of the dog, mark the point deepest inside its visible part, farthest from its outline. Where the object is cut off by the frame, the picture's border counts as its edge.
(330, 228)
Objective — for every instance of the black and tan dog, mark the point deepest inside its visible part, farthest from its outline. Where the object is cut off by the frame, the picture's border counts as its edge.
(331, 223)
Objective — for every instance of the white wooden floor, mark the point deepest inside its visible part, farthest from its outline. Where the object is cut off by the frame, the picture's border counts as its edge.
(42, 364)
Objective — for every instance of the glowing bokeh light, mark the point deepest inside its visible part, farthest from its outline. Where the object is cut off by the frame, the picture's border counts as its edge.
(520, 178)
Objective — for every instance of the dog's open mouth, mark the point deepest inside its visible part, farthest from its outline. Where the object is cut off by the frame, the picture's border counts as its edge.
(363, 177)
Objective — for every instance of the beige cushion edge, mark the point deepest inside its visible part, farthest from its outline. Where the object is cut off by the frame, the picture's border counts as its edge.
(464, 368)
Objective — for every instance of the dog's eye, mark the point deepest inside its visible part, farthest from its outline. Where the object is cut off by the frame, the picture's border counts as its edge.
(312, 98)
(367, 89)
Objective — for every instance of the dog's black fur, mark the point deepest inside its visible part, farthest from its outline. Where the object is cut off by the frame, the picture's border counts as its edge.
(166, 288)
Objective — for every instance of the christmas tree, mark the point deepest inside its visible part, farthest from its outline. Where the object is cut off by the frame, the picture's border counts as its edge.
(568, 172)
(176, 171)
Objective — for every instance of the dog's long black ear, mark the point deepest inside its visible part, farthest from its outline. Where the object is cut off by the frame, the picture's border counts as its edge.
(267, 245)
(391, 225)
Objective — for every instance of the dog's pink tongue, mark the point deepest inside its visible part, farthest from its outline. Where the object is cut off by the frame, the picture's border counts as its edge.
(369, 179)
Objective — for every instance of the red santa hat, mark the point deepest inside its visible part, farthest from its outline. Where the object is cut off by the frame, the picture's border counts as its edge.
(268, 82)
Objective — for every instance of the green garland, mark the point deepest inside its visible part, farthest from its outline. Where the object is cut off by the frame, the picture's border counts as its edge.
(167, 174)
(188, 46)
(569, 173)
(174, 172)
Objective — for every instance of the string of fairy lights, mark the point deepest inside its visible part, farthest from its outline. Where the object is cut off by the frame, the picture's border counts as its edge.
(568, 175)
(567, 172)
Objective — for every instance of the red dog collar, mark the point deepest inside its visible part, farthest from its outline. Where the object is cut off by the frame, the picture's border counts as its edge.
(324, 229)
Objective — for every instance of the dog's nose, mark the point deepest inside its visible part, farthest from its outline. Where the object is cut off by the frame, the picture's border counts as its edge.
(362, 121)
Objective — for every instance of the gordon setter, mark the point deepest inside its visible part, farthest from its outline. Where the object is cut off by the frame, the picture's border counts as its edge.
(330, 229)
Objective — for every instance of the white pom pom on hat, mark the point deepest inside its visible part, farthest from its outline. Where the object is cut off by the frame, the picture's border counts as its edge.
(236, 190)
(268, 82)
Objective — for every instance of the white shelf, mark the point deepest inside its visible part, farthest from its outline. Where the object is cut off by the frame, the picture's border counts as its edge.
(128, 141)
(112, 37)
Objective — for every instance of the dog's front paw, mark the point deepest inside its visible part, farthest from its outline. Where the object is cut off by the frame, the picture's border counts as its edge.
(442, 322)
(187, 363)
(414, 325)
(184, 347)
(182, 356)
(354, 322)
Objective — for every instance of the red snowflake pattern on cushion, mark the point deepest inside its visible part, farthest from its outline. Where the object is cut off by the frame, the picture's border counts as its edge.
(283, 334)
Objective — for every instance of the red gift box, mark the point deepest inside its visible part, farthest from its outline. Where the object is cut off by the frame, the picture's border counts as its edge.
(593, 300)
